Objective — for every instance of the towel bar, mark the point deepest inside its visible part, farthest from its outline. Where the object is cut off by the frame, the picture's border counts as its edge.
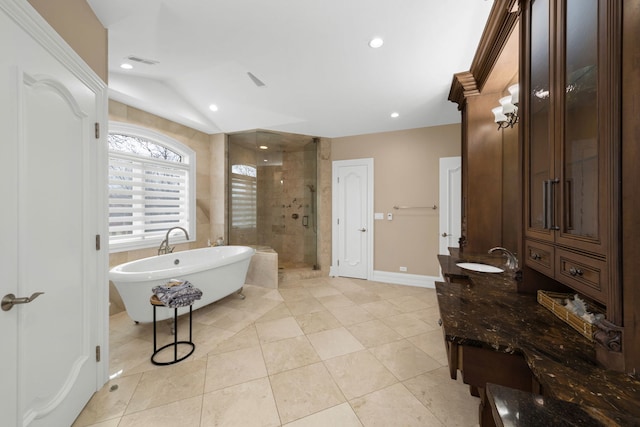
(434, 207)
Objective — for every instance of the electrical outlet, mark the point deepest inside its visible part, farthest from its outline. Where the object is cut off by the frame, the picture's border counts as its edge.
(403, 268)
(390, 216)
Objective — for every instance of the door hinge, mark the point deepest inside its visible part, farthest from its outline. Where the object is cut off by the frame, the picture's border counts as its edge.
(338, 221)
(97, 242)
(338, 262)
(97, 353)
(97, 130)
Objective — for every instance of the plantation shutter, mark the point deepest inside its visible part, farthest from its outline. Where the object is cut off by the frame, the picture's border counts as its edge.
(243, 201)
(146, 197)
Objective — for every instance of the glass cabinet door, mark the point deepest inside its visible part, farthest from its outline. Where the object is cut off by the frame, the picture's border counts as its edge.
(540, 151)
(580, 168)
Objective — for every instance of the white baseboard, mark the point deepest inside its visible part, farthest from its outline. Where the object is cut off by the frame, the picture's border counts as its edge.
(406, 279)
(398, 278)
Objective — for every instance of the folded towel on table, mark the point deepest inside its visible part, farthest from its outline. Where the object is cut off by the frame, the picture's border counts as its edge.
(177, 293)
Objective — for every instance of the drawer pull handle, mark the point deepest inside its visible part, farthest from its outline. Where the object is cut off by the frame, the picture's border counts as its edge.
(536, 256)
(575, 271)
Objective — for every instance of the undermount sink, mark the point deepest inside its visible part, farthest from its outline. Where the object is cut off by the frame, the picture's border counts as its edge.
(481, 268)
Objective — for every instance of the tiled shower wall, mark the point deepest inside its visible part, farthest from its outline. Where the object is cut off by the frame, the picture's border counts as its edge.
(286, 209)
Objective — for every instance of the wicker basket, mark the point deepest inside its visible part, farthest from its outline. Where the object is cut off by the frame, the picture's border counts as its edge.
(548, 300)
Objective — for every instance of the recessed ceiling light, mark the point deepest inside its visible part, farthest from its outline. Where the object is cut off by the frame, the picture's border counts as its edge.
(126, 66)
(213, 107)
(394, 115)
(376, 42)
(263, 147)
(266, 160)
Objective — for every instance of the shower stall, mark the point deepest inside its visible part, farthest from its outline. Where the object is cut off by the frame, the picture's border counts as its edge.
(272, 195)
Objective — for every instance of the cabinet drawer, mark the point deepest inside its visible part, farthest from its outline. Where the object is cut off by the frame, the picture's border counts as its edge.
(540, 257)
(586, 275)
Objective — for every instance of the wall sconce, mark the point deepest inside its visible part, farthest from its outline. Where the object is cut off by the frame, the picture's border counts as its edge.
(506, 115)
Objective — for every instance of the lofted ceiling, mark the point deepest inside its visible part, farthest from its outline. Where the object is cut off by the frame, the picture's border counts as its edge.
(319, 75)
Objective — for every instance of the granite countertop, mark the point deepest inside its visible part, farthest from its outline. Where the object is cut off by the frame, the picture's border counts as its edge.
(516, 408)
(484, 310)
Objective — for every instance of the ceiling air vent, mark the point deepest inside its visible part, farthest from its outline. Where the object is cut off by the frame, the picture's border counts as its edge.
(142, 60)
(255, 80)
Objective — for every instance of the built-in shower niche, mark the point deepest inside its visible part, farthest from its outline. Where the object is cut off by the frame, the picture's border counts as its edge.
(272, 195)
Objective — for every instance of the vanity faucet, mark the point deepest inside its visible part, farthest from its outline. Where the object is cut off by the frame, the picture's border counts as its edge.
(164, 245)
(512, 261)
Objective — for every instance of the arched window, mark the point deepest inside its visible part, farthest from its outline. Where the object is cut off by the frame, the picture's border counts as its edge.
(151, 187)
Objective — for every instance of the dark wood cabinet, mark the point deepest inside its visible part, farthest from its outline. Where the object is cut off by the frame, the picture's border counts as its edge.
(568, 134)
(480, 366)
(491, 174)
(569, 75)
(570, 68)
(629, 239)
(578, 154)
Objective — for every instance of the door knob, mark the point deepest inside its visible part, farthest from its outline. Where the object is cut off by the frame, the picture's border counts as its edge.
(362, 229)
(444, 234)
(9, 300)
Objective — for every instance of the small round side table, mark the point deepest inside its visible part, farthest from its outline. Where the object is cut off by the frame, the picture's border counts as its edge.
(155, 302)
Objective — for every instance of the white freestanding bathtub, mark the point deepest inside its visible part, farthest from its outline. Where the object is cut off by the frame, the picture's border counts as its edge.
(217, 271)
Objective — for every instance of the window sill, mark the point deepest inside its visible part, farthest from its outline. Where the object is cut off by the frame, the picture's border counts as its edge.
(146, 244)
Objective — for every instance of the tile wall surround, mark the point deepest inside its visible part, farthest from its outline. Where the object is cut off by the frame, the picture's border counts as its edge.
(208, 226)
(324, 204)
(284, 193)
(324, 171)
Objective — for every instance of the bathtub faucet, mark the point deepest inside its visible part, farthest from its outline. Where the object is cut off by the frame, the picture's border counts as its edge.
(164, 245)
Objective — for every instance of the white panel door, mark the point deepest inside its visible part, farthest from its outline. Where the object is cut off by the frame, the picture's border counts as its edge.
(353, 197)
(450, 203)
(50, 217)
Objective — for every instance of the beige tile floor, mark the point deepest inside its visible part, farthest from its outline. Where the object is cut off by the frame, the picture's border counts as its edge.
(315, 352)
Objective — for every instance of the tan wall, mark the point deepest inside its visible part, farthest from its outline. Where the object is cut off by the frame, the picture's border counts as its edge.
(406, 172)
(80, 28)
